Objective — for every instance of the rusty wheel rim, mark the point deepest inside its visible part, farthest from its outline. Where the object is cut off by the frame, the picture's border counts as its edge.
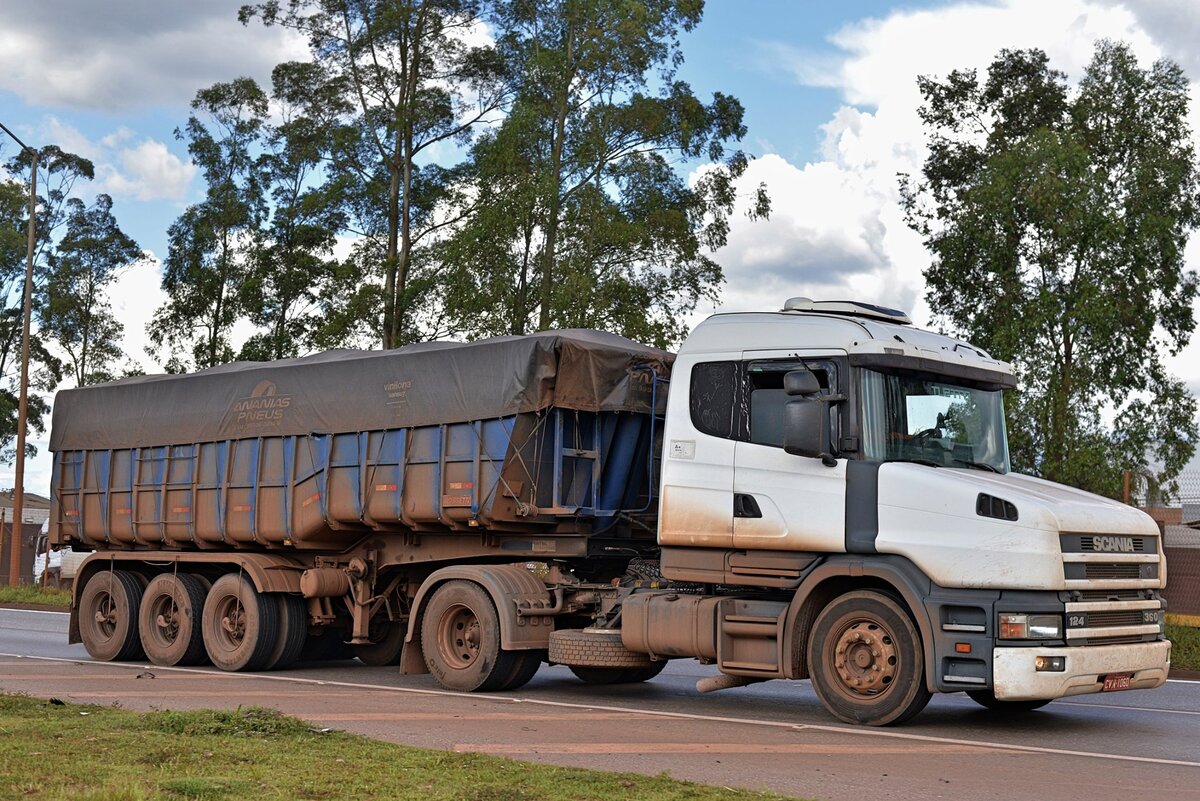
(164, 611)
(104, 620)
(232, 616)
(459, 637)
(865, 659)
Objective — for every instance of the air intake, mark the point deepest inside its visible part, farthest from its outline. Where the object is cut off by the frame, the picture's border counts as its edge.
(991, 506)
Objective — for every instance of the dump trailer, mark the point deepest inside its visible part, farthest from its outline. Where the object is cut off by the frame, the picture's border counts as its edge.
(821, 493)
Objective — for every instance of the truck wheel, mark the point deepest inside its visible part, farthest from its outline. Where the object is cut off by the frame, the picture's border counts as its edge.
(293, 632)
(241, 625)
(988, 699)
(326, 646)
(599, 648)
(600, 675)
(169, 620)
(108, 609)
(865, 660)
(460, 635)
(525, 666)
(386, 644)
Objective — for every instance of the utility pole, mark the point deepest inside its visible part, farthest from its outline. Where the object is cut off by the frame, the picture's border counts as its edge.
(14, 563)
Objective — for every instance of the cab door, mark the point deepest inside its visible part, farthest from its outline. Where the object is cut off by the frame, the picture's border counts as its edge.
(781, 501)
(696, 508)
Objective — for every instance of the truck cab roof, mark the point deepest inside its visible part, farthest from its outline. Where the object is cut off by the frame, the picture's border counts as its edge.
(848, 327)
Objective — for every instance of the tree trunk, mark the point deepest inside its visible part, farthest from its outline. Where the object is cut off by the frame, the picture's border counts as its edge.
(554, 204)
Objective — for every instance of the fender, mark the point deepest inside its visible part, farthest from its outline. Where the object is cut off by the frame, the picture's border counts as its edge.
(511, 589)
(269, 572)
(901, 574)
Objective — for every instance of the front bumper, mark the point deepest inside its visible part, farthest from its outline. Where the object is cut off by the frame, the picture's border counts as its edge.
(1014, 677)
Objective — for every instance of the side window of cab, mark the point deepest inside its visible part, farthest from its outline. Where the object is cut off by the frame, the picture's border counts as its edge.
(767, 398)
(713, 398)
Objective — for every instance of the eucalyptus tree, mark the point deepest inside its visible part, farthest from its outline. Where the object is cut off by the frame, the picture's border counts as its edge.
(1057, 218)
(419, 74)
(580, 192)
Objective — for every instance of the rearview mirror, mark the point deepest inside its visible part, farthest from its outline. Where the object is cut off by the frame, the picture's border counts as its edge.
(806, 428)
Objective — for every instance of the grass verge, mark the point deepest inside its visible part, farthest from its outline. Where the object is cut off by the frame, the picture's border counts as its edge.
(1185, 647)
(92, 753)
(28, 594)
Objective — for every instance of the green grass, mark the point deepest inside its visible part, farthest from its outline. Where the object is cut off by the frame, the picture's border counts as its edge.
(28, 594)
(1185, 647)
(108, 754)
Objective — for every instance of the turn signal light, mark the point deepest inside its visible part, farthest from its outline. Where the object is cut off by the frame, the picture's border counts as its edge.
(962, 647)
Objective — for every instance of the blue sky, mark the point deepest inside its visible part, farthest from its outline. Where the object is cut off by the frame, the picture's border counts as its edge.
(829, 90)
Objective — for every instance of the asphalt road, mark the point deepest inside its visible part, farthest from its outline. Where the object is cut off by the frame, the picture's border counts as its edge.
(1120, 746)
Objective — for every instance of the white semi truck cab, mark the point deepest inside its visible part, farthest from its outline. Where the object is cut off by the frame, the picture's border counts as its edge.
(854, 471)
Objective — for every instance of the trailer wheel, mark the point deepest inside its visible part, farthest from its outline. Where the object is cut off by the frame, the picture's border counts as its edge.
(601, 675)
(169, 620)
(293, 632)
(988, 699)
(386, 647)
(460, 636)
(108, 612)
(865, 660)
(241, 625)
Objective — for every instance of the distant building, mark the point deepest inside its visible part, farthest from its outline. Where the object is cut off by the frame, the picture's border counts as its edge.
(34, 508)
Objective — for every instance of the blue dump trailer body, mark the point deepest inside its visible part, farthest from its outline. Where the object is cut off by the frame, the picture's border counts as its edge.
(560, 472)
(141, 465)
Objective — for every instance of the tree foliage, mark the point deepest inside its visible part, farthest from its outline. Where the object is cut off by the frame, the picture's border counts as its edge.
(58, 174)
(210, 245)
(75, 313)
(580, 214)
(1057, 219)
(413, 78)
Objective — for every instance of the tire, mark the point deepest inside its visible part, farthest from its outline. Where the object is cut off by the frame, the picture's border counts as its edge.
(595, 648)
(169, 620)
(293, 632)
(241, 625)
(108, 616)
(386, 649)
(601, 675)
(865, 660)
(525, 667)
(460, 635)
(327, 646)
(988, 700)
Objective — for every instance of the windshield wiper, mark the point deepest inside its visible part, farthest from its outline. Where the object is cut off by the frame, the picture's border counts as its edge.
(978, 465)
(925, 462)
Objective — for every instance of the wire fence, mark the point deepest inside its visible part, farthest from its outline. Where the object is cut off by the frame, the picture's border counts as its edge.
(1178, 517)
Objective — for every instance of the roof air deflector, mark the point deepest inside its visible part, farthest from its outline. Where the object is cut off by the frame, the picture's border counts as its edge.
(852, 308)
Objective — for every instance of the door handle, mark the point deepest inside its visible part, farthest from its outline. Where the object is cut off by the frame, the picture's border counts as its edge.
(744, 505)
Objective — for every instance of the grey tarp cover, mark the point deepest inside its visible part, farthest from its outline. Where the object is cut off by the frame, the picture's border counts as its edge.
(352, 390)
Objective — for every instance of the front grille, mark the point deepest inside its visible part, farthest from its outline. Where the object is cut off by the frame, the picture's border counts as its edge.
(1078, 542)
(1099, 571)
(1126, 640)
(1088, 543)
(1126, 617)
(1110, 595)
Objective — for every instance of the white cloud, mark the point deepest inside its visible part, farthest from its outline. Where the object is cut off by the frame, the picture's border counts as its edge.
(148, 172)
(837, 229)
(126, 54)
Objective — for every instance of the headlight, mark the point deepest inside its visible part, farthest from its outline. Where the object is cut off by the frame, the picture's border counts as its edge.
(1031, 627)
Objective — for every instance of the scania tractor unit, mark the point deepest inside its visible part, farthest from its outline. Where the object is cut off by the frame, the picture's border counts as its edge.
(822, 493)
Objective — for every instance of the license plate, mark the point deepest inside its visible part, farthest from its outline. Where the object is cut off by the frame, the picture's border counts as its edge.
(1117, 681)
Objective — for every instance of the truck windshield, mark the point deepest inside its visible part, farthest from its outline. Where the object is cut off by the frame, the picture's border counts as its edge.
(913, 419)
